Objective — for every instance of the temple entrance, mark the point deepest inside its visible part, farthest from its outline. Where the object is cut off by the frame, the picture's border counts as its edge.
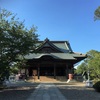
(49, 71)
(61, 71)
(46, 71)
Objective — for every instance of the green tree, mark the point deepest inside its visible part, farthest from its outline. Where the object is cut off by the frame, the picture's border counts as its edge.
(97, 13)
(92, 64)
(15, 40)
(81, 68)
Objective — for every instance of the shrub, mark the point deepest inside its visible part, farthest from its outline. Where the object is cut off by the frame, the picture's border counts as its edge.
(96, 86)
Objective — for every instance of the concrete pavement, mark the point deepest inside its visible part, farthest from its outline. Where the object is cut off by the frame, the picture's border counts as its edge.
(46, 91)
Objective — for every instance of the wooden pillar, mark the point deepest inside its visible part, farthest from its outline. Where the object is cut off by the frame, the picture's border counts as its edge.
(54, 71)
(66, 71)
(38, 71)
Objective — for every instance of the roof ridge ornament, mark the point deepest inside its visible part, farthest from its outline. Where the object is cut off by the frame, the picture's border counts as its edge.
(46, 39)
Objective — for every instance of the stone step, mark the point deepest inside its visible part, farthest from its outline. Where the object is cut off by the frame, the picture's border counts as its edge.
(48, 78)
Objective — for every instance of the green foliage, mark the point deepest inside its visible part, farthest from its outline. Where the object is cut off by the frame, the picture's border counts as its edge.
(96, 86)
(15, 40)
(81, 68)
(97, 13)
(14, 70)
(92, 63)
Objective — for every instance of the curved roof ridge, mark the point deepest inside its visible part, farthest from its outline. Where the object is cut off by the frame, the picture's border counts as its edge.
(67, 44)
(50, 43)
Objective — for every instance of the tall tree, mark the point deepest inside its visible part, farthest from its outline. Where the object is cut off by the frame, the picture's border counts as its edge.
(97, 13)
(15, 40)
(92, 64)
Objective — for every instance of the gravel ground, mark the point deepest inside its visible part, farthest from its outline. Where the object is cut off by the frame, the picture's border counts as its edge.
(17, 92)
(77, 92)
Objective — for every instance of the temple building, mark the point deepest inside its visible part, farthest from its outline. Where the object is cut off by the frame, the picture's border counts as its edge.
(53, 59)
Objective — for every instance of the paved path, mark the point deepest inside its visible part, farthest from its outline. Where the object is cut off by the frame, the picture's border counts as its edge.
(46, 91)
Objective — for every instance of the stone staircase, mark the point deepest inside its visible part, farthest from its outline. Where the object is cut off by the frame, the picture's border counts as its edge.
(48, 79)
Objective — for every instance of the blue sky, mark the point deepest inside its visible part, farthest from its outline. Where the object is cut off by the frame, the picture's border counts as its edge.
(70, 20)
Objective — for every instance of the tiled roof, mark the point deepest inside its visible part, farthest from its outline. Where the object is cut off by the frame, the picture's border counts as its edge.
(64, 56)
(64, 48)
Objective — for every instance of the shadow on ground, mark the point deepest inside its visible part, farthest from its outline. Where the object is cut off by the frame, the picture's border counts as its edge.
(72, 92)
(21, 92)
